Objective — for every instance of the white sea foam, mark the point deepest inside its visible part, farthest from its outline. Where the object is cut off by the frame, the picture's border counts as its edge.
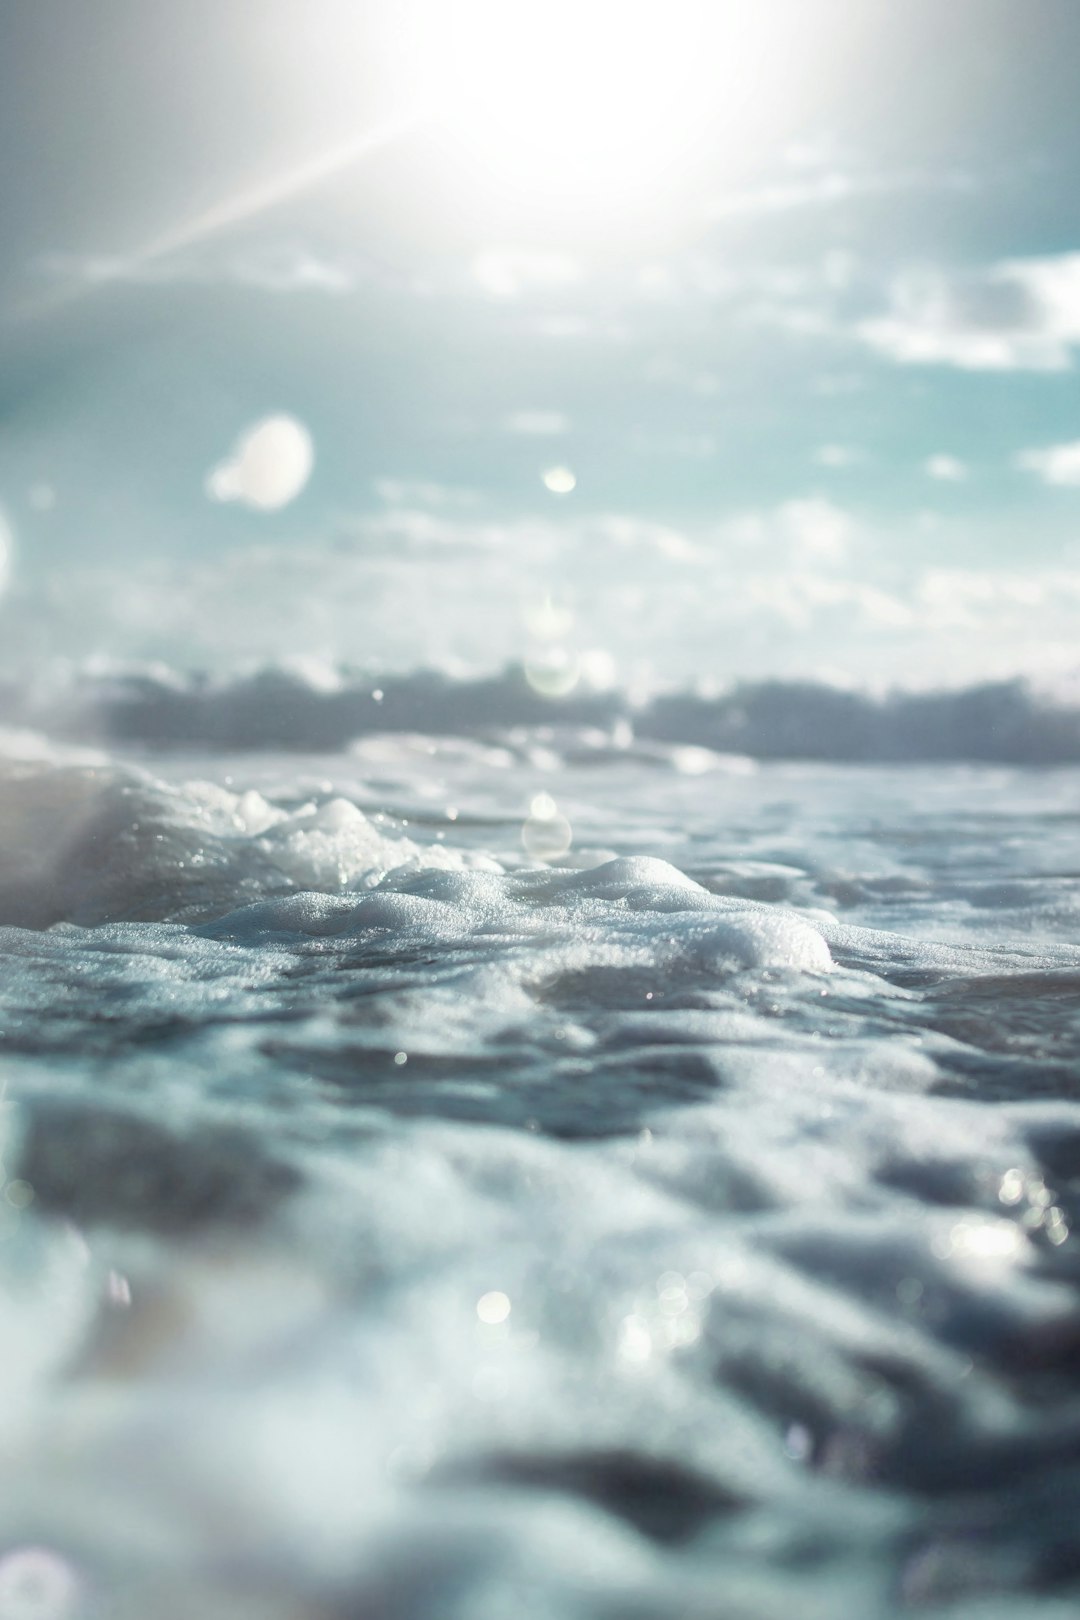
(391, 1225)
(86, 843)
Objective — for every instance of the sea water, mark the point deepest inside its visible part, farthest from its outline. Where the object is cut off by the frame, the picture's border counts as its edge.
(533, 1170)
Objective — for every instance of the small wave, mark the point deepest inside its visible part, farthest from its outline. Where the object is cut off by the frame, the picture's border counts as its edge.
(609, 1233)
(286, 707)
(93, 843)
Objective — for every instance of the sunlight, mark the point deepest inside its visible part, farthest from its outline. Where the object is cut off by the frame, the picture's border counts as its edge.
(601, 98)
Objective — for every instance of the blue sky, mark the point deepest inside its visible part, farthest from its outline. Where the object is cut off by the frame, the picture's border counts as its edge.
(798, 307)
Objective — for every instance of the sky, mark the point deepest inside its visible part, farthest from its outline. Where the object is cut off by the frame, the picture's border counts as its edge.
(658, 342)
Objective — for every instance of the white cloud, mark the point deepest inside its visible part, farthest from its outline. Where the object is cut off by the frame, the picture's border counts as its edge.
(1017, 315)
(507, 273)
(441, 587)
(809, 529)
(838, 456)
(289, 270)
(272, 268)
(1056, 464)
(537, 423)
(816, 528)
(412, 492)
(801, 599)
(946, 469)
(832, 187)
(973, 599)
(824, 182)
(658, 538)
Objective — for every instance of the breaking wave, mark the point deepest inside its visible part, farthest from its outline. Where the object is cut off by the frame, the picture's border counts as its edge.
(300, 708)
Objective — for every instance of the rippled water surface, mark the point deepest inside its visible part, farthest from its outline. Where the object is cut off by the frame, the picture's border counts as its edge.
(538, 1175)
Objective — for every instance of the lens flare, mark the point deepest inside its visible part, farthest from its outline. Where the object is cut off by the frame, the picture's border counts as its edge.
(596, 98)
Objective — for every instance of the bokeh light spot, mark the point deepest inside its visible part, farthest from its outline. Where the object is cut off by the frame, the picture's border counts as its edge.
(553, 671)
(559, 480)
(546, 834)
(269, 466)
(493, 1308)
(37, 1584)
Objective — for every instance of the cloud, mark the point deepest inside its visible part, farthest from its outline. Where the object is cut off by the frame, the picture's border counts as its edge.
(412, 492)
(975, 599)
(801, 600)
(838, 456)
(273, 268)
(507, 273)
(946, 469)
(537, 423)
(816, 528)
(289, 270)
(808, 529)
(406, 587)
(825, 179)
(832, 187)
(657, 538)
(1056, 464)
(1017, 315)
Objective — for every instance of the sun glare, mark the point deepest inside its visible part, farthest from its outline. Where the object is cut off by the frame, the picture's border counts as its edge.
(598, 99)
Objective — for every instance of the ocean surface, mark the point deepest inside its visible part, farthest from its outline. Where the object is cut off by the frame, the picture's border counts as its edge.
(471, 1154)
